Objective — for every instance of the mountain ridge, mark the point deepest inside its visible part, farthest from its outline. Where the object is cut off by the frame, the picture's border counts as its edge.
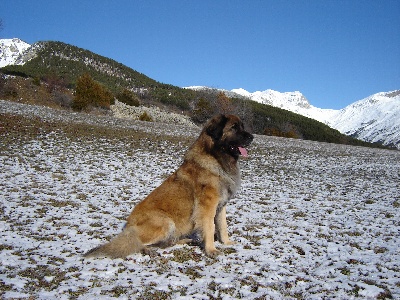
(11, 50)
(68, 61)
(374, 119)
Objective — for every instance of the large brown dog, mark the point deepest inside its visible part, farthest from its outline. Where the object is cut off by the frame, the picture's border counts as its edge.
(191, 200)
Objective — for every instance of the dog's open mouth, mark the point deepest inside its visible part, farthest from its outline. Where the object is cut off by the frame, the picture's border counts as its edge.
(243, 151)
(239, 150)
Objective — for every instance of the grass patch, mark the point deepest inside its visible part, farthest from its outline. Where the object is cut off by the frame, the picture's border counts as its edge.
(185, 254)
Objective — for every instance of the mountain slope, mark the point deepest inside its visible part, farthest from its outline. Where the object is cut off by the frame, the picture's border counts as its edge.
(70, 62)
(311, 220)
(373, 119)
(271, 120)
(11, 50)
(56, 60)
(293, 101)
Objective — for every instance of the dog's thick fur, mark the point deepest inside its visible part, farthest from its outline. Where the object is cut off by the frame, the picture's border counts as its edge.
(191, 200)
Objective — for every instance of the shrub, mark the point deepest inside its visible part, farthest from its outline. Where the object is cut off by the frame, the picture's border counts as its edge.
(91, 93)
(53, 82)
(9, 89)
(2, 82)
(202, 111)
(36, 81)
(225, 105)
(145, 117)
(128, 97)
(64, 100)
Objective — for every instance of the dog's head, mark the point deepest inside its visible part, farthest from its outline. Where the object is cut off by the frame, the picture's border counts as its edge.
(228, 135)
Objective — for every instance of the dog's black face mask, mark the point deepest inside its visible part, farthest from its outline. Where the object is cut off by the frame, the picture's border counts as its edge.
(229, 135)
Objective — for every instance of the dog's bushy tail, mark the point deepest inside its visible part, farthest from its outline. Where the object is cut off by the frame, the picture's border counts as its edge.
(121, 246)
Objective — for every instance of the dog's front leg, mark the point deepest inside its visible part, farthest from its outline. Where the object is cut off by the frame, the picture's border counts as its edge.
(205, 220)
(208, 238)
(222, 227)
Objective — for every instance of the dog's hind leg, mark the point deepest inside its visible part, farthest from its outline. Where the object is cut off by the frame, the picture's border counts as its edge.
(158, 229)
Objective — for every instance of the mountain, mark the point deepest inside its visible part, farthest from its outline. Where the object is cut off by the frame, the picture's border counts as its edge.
(48, 58)
(11, 50)
(293, 101)
(47, 63)
(375, 119)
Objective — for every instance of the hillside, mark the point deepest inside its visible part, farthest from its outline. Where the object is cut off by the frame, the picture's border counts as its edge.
(70, 62)
(56, 62)
(10, 50)
(373, 119)
(270, 120)
(311, 221)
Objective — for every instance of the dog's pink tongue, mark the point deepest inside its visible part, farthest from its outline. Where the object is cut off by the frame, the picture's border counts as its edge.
(243, 151)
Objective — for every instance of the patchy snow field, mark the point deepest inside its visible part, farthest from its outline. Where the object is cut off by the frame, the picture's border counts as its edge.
(311, 221)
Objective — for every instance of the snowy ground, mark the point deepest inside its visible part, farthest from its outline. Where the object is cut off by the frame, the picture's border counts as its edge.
(312, 220)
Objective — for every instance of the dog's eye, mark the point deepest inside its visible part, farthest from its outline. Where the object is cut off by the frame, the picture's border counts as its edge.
(235, 126)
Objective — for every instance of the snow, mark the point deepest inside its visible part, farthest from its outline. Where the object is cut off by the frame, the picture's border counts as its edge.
(293, 101)
(311, 221)
(10, 50)
(374, 119)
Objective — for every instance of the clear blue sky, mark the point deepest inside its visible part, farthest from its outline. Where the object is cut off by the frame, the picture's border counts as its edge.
(334, 52)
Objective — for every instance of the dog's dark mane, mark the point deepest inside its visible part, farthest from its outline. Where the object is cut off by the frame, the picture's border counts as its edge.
(211, 142)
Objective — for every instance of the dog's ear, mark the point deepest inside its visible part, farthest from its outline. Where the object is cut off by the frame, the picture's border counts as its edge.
(215, 126)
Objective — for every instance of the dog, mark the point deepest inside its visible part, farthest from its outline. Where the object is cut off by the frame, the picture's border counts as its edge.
(190, 201)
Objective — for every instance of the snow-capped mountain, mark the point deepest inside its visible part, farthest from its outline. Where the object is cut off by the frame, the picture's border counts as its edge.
(11, 51)
(293, 101)
(373, 119)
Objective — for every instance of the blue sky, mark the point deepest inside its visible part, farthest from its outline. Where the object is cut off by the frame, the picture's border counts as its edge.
(334, 52)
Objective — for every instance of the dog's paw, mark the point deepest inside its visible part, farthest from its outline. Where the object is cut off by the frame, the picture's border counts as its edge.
(213, 253)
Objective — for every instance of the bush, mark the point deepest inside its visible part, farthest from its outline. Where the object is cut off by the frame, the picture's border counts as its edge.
(2, 82)
(53, 82)
(224, 103)
(202, 111)
(36, 81)
(9, 90)
(128, 97)
(273, 131)
(145, 117)
(91, 93)
(64, 100)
